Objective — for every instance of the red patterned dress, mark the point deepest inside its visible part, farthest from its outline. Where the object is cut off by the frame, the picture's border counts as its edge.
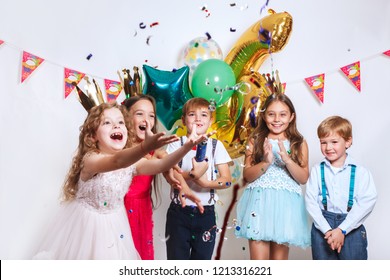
(139, 210)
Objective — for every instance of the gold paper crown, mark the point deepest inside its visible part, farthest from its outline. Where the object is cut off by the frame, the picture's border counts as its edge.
(274, 86)
(94, 96)
(131, 85)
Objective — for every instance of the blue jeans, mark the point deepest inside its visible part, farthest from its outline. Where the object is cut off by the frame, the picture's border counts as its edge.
(355, 242)
(190, 234)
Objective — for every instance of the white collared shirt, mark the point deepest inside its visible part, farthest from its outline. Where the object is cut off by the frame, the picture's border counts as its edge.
(221, 156)
(337, 194)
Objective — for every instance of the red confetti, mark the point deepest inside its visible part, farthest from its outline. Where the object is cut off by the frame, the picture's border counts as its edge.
(154, 24)
(204, 8)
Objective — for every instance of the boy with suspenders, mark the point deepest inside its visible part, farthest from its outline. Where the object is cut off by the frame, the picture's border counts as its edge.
(340, 195)
(191, 230)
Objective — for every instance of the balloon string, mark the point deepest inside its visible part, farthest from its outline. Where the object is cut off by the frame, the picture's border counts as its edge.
(271, 57)
(264, 6)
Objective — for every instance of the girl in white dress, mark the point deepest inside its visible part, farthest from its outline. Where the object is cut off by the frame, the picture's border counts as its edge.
(92, 221)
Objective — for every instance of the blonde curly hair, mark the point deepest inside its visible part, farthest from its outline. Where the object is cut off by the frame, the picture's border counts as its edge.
(87, 145)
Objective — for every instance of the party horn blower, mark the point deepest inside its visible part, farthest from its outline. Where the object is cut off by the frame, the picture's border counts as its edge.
(201, 151)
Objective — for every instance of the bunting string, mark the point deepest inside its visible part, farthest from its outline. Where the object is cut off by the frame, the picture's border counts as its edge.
(30, 62)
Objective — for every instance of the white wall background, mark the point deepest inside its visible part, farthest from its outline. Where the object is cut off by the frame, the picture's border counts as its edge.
(39, 128)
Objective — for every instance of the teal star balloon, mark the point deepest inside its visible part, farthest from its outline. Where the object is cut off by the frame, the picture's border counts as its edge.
(170, 89)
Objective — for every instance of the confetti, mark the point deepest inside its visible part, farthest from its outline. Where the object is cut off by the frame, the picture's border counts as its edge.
(148, 39)
(142, 25)
(89, 56)
(164, 239)
(154, 24)
(208, 36)
(232, 29)
(204, 9)
(244, 7)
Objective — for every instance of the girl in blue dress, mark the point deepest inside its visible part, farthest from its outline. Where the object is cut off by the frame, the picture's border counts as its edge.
(271, 212)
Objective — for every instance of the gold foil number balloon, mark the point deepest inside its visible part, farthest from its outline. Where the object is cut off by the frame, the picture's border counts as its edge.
(236, 119)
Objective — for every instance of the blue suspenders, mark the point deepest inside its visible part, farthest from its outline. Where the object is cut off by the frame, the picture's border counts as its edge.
(351, 186)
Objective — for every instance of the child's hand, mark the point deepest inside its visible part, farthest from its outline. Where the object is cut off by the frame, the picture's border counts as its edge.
(170, 177)
(283, 153)
(155, 141)
(335, 239)
(194, 139)
(186, 192)
(268, 154)
(199, 168)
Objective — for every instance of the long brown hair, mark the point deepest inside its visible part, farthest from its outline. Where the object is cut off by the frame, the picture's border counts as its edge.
(261, 131)
(87, 144)
(128, 103)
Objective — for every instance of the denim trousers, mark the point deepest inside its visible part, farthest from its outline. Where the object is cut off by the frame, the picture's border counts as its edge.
(190, 235)
(355, 242)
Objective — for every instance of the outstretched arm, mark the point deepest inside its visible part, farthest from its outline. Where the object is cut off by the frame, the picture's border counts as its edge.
(156, 166)
(97, 163)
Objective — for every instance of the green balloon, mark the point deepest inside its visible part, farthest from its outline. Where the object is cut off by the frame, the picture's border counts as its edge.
(213, 79)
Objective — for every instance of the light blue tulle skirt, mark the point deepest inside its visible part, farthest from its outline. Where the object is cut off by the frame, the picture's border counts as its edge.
(273, 215)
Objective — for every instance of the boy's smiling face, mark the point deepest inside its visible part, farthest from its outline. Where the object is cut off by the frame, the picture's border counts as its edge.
(200, 116)
(334, 148)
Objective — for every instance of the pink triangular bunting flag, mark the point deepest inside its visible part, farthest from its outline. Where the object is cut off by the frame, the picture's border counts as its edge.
(113, 89)
(30, 62)
(70, 77)
(352, 71)
(1, 42)
(387, 53)
(317, 84)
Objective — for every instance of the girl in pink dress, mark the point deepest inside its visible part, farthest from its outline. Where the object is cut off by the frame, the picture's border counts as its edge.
(138, 200)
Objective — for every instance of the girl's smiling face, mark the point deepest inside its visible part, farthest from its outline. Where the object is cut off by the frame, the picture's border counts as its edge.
(141, 112)
(277, 118)
(111, 135)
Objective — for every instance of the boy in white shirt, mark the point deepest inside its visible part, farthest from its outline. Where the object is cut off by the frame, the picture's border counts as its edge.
(340, 195)
(190, 230)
